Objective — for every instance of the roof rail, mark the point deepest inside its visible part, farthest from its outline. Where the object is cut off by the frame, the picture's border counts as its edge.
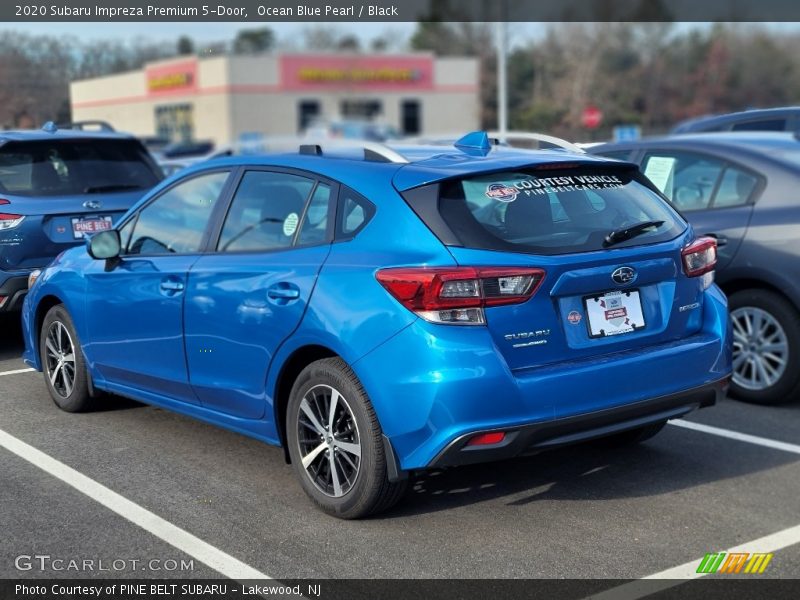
(97, 125)
(373, 151)
(537, 137)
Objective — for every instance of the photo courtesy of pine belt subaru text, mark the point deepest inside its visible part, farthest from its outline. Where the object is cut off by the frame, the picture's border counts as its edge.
(58, 185)
(377, 311)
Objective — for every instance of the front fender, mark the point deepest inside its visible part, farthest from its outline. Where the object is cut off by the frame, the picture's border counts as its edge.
(54, 286)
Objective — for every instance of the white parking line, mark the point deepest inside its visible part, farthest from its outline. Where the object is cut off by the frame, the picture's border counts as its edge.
(735, 435)
(16, 371)
(184, 541)
(677, 575)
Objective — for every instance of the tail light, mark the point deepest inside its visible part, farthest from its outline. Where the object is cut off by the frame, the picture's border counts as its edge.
(699, 259)
(458, 295)
(8, 220)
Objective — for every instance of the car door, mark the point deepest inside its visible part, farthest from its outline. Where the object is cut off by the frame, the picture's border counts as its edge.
(244, 299)
(715, 195)
(135, 305)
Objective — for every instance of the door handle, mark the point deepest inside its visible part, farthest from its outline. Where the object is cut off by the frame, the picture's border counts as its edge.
(169, 285)
(721, 239)
(283, 293)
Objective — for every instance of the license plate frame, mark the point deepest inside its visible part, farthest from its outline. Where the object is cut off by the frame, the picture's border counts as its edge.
(77, 222)
(613, 313)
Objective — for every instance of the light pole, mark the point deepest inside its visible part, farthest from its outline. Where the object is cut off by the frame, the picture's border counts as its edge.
(502, 78)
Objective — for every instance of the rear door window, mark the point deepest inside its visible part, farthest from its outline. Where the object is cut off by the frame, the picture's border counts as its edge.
(265, 212)
(761, 125)
(314, 229)
(735, 188)
(554, 211)
(694, 181)
(74, 167)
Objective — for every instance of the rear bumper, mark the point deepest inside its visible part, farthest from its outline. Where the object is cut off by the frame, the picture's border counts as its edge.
(12, 292)
(433, 387)
(542, 436)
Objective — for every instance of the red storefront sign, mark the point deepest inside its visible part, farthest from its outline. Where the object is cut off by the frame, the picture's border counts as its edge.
(172, 78)
(389, 73)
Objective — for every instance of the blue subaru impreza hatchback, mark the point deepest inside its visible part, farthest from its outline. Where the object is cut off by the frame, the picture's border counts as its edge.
(380, 311)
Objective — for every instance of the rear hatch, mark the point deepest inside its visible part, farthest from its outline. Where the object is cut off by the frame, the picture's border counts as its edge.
(54, 192)
(610, 251)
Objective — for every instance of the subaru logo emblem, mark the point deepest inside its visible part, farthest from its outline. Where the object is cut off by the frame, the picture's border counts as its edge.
(624, 275)
(92, 204)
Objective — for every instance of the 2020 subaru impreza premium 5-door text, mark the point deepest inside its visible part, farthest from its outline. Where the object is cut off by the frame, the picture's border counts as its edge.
(378, 312)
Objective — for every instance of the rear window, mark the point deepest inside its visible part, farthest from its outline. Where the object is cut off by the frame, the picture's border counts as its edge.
(762, 125)
(70, 167)
(554, 211)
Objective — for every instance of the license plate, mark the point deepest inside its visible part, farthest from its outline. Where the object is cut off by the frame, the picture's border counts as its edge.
(90, 225)
(614, 313)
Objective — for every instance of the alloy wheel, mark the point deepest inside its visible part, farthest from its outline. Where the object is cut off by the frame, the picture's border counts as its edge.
(330, 446)
(60, 356)
(760, 348)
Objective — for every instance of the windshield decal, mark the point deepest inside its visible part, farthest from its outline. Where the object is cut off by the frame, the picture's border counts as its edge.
(501, 192)
(509, 191)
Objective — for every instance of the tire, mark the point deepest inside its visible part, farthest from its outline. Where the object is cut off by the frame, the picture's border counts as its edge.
(63, 364)
(360, 486)
(634, 436)
(766, 355)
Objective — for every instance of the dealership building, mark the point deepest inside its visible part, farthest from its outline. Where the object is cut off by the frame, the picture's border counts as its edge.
(226, 98)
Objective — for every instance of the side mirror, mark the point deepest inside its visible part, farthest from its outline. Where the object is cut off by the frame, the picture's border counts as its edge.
(104, 245)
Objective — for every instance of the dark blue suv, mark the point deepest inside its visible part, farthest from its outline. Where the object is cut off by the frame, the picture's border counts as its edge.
(55, 187)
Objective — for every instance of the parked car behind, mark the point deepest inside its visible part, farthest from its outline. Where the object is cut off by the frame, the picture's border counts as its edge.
(56, 186)
(383, 310)
(765, 119)
(187, 150)
(351, 129)
(742, 189)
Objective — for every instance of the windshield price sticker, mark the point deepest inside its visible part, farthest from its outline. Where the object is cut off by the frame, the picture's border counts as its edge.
(290, 224)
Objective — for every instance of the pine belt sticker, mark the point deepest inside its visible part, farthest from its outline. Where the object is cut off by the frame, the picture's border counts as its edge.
(501, 192)
(290, 224)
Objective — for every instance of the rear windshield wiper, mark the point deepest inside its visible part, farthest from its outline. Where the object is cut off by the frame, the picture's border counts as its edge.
(626, 233)
(117, 187)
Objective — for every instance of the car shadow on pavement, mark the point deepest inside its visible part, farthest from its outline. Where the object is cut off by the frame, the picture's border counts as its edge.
(676, 459)
(11, 344)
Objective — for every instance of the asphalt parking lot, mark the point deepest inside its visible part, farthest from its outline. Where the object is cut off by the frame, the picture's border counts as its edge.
(583, 512)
